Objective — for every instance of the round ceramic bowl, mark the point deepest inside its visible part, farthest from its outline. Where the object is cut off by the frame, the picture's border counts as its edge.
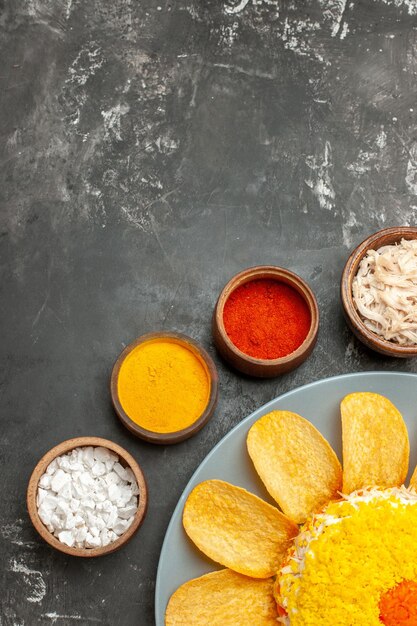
(178, 435)
(125, 459)
(381, 238)
(264, 368)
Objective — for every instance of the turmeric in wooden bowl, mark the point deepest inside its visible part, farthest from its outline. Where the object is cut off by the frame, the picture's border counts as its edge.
(164, 387)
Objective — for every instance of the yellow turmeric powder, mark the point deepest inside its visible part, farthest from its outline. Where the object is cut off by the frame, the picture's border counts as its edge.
(163, 386)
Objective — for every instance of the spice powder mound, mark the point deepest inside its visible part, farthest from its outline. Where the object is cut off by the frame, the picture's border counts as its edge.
(163, 386)
(266, 318)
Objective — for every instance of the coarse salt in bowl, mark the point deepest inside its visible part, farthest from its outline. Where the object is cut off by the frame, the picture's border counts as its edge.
(87, 497)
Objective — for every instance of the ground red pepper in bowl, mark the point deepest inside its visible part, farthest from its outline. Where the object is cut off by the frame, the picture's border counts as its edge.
(266, 319)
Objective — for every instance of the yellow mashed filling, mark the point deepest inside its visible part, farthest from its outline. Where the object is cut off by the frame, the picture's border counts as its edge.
(346, 558)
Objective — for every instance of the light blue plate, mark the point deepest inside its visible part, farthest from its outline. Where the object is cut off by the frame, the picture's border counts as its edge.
(318, 402)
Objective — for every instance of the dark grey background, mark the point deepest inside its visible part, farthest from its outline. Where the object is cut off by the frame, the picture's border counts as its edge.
(150, 150)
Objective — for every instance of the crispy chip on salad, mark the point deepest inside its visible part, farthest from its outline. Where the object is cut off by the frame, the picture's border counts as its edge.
(413, 480)
(296, 464)
(375, 442)
(223, 598)
(237, 529)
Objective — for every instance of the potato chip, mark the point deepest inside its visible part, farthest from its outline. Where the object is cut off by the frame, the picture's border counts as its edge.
(375, 442)
(223, 598)
(296, 464)
(413, 480)
(237, 529)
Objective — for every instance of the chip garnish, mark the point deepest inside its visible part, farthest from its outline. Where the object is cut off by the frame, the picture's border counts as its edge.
(223, 598)
(375, 442)
(314, 583)
(296, 464)
(413, 480)
(237, 529)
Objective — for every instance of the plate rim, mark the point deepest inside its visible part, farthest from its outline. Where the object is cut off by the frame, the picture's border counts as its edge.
(382, 373)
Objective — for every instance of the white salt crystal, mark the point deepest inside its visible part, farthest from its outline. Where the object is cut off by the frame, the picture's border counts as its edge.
(59, 480)
(66, 490)
(86, 479)
(98, 469)
(120, 471)
(78, 489)
(114, 493)
(41, 496)
(70, 521)
(79, 521)
(92, 542)
(88, 456)
(129, 521)
(104, 536)
(112, 478)
(120, 526)
(135, 488)
(75, 466)
(63, 463)
(127, 511)
(109, 464)
(88, 503)
(112, 517)
(100, 524)
(130, 477)
(74, 504)
(107, 506)
(57, 521)
(45, 515)
(45, 481)
(81, 534)
(124, 496)
(91, 520)
(103, 455)
(66, 537)
(63, 507)
(52, 467)
(50, 501)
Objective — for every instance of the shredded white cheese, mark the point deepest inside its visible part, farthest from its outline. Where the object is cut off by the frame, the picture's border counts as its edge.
(385, 291)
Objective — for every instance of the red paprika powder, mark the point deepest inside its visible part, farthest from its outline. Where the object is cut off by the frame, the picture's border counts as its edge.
(266, 318)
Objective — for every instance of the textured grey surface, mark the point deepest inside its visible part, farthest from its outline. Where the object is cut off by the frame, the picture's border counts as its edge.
(148, 152)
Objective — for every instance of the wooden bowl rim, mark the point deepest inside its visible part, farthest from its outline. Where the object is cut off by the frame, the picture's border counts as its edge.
(179, 435)
(67, 446)
(280, 274)
(348, 274)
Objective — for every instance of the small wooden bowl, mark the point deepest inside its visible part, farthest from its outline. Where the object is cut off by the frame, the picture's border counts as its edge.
(179, 435)
(264, 368)
(125, 459)
(381, 238)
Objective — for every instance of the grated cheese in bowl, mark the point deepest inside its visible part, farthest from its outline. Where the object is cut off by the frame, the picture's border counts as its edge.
(385, 292)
